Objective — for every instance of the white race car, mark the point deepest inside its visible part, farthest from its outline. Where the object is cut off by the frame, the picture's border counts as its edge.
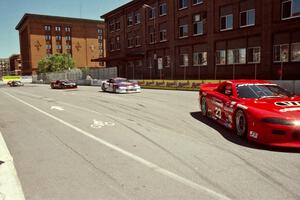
(120, 85)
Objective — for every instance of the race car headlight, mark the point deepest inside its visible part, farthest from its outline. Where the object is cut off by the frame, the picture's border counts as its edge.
(279, 121)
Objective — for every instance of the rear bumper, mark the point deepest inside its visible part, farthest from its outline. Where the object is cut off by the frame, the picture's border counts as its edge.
(124, 91)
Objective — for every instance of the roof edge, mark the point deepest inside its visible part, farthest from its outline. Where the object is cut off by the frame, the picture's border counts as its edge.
(26, 15)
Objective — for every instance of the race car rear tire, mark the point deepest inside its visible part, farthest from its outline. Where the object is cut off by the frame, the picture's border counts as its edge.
(240, 123)
(203, 106)
(103, 88)
(52, 86)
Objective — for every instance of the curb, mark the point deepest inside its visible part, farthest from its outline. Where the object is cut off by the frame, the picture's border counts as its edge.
(10, 186)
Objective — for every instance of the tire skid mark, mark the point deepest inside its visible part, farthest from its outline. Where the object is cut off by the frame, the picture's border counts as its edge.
(180, 160)
(260, 172)
(95, 167)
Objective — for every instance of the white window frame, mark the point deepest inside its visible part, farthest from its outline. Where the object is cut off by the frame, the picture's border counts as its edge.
(280, 45)
(238, 50)
(296, 43)
(226, 29)
(198, 22)
(138, 16)
(198, 61)
(164, 31)
(254, 62)
(198, 2)
(161, 5)
(247, 25)
(291, 17)
(182, 26)
(225, 57)
(185, 7)
(185, 61)
(58, 28)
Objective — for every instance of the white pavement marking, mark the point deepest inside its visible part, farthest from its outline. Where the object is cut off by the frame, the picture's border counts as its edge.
(10, 186)
(100, 124)
(57, 108)
(142, 161)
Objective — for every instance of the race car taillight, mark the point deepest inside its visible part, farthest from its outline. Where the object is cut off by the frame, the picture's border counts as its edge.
(279, 121)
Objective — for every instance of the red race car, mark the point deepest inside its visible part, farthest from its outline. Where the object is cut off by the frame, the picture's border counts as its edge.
(259, 110)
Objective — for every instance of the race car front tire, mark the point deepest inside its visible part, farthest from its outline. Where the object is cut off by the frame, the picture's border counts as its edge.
(240, 123)
(203, 107)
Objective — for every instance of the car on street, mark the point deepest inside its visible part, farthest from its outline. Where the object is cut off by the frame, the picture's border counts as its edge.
(63, 84)
(15, 83)
(260, 110)
(120, 85)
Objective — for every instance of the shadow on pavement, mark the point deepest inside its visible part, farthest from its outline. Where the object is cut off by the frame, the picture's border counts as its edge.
(230, 136)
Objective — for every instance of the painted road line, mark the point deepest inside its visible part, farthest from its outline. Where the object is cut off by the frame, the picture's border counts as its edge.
(10, 186)
(142, 161)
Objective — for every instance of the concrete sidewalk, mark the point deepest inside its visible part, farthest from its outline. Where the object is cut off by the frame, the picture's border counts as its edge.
(10, 186)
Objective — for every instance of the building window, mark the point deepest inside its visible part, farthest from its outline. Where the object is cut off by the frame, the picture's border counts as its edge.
(295, 48)
(68, 46)
(138, 41)
(117, 25)
(253, 55)
(129, 20)
(183, 31)
(47, 28)
(151, 13)
(48, 46)
(236, 56)
(184, 60)
(183, 4)
(167, 61)
(118, 43)
(131, 42)
(290, 9)
(47, 37)
(247, 18)
(281, 53)
(58, 46)
(163, 35)
(221, 57)
(198, 25)
(195, 2)
(57, 28)
(163, 9)
(137, 18)
(111, 25)
(226, 22)
(200, 59)
(58, 38)
(68, 29)
(151, 35)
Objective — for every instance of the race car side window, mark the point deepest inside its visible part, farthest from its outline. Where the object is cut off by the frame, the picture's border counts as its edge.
(226, 89)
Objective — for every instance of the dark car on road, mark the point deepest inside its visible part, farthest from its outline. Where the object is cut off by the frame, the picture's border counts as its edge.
(15, 83)
(63, 84)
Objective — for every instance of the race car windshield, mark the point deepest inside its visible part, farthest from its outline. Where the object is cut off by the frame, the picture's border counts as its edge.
(261, 91)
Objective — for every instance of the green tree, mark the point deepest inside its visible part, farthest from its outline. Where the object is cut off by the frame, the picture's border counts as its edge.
(56, 63)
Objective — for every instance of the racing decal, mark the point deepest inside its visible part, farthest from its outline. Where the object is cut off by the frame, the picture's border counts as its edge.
(288, 103)
(253, 134)
(217, 102)
(242, 106)
(249, 84)
(289, 109)
(218, 113)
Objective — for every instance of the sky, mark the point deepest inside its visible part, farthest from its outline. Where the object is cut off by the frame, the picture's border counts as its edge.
(11, 12)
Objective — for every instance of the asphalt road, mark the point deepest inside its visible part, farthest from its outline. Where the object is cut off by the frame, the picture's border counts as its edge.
(86, 144)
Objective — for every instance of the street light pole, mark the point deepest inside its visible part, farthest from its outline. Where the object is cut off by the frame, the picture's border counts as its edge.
(154, 35)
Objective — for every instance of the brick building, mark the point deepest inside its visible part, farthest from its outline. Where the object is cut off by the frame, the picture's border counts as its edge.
(41, 35)
(4, 66)
(205, 39)
(15, 63)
